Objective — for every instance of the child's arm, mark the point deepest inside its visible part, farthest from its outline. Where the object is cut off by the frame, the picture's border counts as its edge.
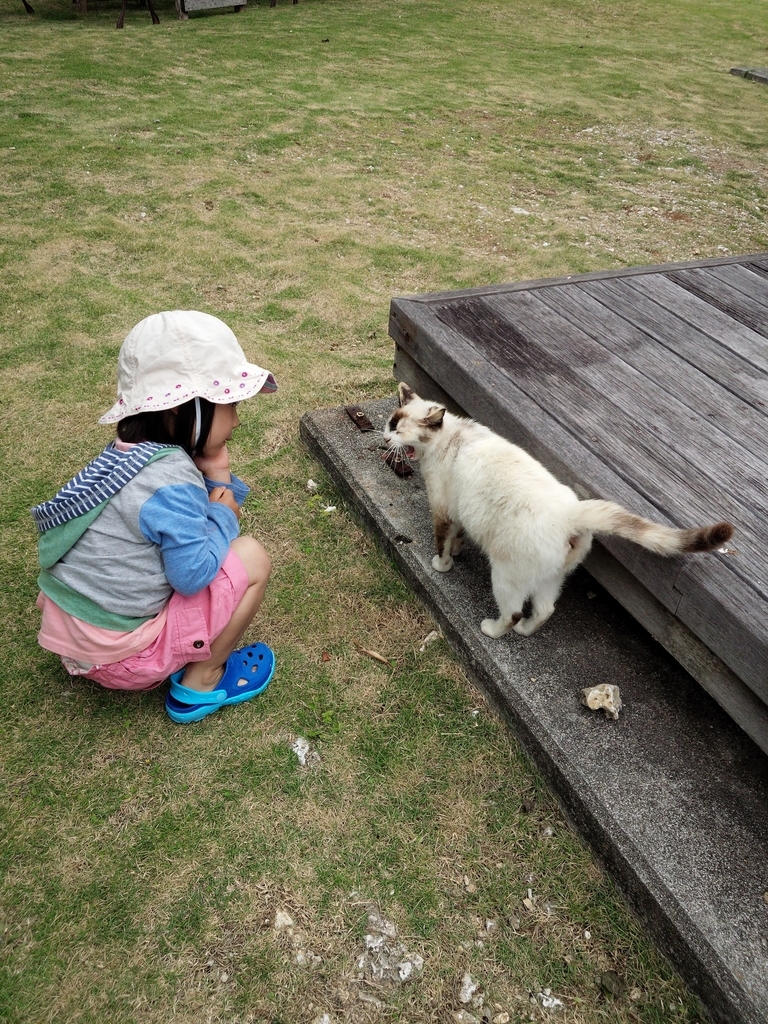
(192, 532)
(225, 496)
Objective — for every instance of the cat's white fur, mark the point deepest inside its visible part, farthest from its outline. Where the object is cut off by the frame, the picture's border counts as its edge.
(533, 529)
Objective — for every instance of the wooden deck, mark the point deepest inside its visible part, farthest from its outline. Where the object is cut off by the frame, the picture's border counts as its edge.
(647, 386)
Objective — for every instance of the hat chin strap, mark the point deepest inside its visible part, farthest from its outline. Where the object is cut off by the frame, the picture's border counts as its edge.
(198, 423)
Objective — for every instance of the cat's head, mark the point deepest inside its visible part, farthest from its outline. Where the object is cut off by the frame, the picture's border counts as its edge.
(413, 426)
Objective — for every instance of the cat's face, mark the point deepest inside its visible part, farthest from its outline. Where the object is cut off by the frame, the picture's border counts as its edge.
(414, 425)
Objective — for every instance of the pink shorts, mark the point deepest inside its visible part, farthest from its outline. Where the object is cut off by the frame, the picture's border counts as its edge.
(193, 622)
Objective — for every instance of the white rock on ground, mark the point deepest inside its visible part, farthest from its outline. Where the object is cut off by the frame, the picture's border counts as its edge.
(386, 958)
(468, 989)
(605, 696)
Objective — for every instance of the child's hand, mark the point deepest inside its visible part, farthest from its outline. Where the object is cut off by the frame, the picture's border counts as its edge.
(215, 466)
(223, 496)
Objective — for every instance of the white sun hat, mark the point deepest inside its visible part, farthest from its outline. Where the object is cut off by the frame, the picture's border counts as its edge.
(170, 358)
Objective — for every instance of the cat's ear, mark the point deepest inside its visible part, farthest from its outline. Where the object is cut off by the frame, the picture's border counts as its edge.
(435, 416)
(405, 393)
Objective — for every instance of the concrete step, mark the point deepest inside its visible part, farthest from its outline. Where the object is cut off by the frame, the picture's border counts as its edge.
(672, 797)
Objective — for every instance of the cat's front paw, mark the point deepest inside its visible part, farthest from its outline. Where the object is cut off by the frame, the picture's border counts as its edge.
(493, 628)
(526, 626)
(442, 564)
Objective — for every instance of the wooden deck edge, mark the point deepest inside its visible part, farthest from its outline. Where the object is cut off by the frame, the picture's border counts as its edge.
(406, 369)
(595, 275)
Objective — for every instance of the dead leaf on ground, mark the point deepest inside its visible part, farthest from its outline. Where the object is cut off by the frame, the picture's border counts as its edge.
(374, 654)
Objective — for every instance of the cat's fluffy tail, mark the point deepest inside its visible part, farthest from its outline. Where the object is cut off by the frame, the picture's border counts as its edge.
(607, 517)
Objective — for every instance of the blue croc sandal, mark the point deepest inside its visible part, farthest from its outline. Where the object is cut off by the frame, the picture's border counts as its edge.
(247, 673)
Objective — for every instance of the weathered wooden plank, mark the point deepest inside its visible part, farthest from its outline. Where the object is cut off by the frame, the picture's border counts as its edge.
(737, 638)
(715, 607)
(735, 643)
(677, 357)
(674, 336)
(723, 331)
(445, 354)
(644, 434)
(407, 369)
(753, 74)
(718, 293)
(743, 279)
(758, 267)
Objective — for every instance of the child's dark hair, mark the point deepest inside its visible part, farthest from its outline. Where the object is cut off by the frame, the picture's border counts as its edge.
(171, 426)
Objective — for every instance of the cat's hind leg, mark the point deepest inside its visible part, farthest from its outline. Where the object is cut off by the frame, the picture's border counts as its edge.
(510, 598)
(447, 535)
(458, 543)
(543, 599)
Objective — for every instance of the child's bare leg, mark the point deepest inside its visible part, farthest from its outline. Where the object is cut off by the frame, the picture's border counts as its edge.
(204, 675)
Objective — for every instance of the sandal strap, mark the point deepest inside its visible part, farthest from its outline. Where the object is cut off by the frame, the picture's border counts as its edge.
(187, 696)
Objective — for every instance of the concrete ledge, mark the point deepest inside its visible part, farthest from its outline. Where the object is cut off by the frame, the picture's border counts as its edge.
(753, 74)
(672, 797)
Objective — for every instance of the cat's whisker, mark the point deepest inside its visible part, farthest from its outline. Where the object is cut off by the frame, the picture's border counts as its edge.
(400, 452)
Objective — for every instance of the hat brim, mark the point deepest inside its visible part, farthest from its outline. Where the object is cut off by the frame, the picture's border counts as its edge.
(226, 392)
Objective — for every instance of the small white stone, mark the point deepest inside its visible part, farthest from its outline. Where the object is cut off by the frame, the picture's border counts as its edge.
(311, 486)
(301, 749)
(468, 989)
(548, 1001)
(429, 639)
(283, 922)
(605, 696)
(465, 1017)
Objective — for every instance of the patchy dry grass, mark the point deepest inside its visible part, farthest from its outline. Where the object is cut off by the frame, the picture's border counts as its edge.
(290, 169)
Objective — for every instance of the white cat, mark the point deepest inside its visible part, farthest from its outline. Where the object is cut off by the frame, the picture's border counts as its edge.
(533, 529)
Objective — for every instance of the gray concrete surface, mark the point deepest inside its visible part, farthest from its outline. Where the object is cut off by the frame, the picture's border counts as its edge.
(672, 797)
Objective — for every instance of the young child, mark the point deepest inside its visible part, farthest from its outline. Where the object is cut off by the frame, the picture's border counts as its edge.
(144, 574)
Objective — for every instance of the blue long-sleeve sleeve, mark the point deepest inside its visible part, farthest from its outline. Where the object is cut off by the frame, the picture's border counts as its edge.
(239, 489)
(193, 534)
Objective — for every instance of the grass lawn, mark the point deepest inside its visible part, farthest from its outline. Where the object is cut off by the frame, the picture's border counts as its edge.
(289, 170)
